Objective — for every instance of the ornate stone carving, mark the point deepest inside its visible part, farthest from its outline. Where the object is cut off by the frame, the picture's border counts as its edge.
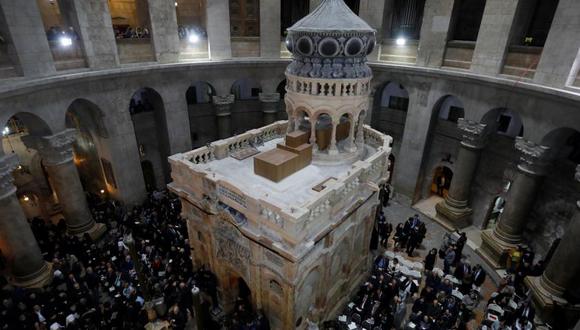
(232, 247)
(55, 149)
(8, 163)
(473, 134)
(223, 104)
(534, 158)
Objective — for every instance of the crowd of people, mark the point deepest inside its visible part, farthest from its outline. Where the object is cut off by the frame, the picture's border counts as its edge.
(128, 32)
(407, 236)
(96, 285)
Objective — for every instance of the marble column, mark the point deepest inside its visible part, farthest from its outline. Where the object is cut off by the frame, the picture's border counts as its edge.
(332, 149)
(434, 32)
(91, 19)
(56, 152)
(24, 259)
(351, 146)
(455, 208)
(223, 111)
(313, 135)
(270, 20)
(26, 38)
(519, 202)
(360, 134)
(218, 29)
(270, 106)
(563, 270)
(163, 18)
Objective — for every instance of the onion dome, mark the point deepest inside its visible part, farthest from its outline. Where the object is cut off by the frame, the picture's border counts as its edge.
(332, 42)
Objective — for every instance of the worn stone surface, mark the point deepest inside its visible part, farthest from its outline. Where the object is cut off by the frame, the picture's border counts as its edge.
(218, 29)
(269, 27)
(434, 32)
(163, 20)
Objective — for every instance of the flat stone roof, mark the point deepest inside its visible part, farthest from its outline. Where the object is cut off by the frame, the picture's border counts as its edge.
(294, 190)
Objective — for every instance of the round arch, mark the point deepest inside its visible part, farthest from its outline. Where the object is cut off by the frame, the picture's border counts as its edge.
(246, 89)
(147, 111)
(450, 108)
(200, 92)
(504, 121)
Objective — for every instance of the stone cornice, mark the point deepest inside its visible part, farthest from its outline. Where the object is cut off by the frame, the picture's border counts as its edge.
(474, 134)
(534, 158)
(8, 163)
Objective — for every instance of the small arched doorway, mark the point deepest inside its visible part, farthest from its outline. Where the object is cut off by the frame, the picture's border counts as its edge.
(148, 175)
(441, 182)
(391, 167)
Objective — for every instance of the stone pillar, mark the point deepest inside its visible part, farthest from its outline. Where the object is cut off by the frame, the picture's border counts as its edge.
(434, 32)
(332, 149)
(560, 52)
(57, 156)
(563, 270)
(31, 53)
(270, 21)
(24, 259)
(223, 110)
(313, 134)
(519, 202)
(218, 29)
(360, 134)
(494, 36)
(455, 207)
(163, 18)
(351, 146)
(270, 106)
(372, 12)
(91, 19)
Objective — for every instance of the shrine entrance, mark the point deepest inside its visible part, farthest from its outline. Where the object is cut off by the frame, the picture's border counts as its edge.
(237, 295)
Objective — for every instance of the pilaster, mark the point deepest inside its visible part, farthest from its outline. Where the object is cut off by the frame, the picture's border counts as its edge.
(163, 20)
(218, 29)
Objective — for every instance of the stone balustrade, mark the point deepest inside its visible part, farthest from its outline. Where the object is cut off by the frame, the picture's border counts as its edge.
(324, 87)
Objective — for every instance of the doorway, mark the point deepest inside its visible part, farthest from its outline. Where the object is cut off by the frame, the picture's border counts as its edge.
(442, 177)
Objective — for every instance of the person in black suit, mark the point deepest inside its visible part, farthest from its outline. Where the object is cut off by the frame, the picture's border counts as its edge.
(479, 275)
(430, 260)
(462, 269)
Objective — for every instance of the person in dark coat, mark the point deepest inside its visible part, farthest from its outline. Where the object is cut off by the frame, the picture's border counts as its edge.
(479, 275)
(430, 260)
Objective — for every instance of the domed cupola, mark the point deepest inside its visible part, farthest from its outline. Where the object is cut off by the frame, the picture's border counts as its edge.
(330, 43)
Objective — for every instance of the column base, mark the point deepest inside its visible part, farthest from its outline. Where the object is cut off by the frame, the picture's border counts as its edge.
(98, 230)
(546, 303)
(493, 249)
(36, 280)
(333, 150)
(458, 217)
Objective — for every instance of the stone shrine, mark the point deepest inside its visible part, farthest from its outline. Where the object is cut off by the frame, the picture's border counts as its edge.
(300, 243)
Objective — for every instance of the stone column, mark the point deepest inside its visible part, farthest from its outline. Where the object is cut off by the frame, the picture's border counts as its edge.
(91, 19)
(351, 146)
(360, 134)
(223, 110)
(26, 36)
(218, 29)
(270, 20)
(455, 207)
(519, 202)
(563, 270)
(163, 18)
(270, 106)
(332, 149)
(57, 156)
(24, 259)
(494, 36)
(434, 32)
(560, 52)
(313, 134)
(372, 12)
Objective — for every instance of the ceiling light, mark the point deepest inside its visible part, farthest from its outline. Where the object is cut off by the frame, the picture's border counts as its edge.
(65, 41)
(401, 41)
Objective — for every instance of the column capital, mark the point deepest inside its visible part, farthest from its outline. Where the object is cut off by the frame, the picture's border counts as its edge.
(473, 134)
(534, 158)
(54, 149)
(8, 163)
(223, 104)
(269, 97)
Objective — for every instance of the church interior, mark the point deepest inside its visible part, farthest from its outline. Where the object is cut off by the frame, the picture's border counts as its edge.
(290, 164)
